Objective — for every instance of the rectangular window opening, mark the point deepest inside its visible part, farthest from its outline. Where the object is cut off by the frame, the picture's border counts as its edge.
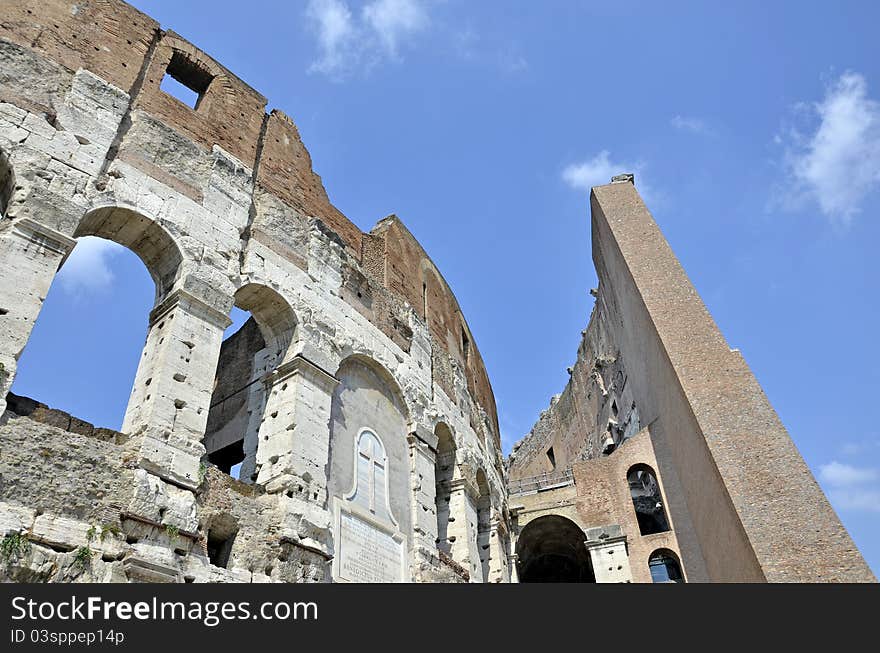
(185, 80)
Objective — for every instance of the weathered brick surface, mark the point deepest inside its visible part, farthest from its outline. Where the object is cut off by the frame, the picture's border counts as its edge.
(109, 38)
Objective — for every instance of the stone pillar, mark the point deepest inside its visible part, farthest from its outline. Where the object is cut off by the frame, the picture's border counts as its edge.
(474, 561)
(607, 547)
(499, 550)
(294, 437)
(514, 561)
(30, 255)
(423, 454)
(462, 510)
(168, 410)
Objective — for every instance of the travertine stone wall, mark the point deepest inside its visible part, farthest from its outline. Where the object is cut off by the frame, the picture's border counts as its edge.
(221, 204)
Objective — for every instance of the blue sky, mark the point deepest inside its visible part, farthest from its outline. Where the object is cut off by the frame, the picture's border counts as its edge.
(753, 129)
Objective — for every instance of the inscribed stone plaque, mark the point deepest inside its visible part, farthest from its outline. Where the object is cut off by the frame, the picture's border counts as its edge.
(367, 554)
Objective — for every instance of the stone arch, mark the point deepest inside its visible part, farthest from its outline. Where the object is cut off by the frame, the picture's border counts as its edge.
(367, 396)
(151, 242)
(665, 567)
(445, 472)
(274, 317)
(163, 260)
(551, 549)
(244, 385)
(647, 499)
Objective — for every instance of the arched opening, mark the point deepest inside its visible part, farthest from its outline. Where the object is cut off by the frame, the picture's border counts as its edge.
(484, 525)
(143, 236)
(551, 549)
(86, 345)
(7, 183)
(444, 472)
(665, 567)
(647, 500)
(258, 341)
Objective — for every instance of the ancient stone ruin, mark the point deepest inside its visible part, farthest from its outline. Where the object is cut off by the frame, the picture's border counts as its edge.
(354, 404)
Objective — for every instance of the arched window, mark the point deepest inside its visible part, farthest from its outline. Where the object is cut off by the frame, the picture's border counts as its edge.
(444, 472)
(665, 567)
(647, 500)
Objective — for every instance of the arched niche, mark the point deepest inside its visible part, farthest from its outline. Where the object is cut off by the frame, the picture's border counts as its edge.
(647, 500)
(367, 397)
(551, 549)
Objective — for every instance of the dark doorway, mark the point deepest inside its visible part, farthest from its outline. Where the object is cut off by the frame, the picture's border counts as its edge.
(551, 550)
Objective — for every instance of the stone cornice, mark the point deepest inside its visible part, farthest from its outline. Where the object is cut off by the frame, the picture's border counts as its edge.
(181, 296)
(44, 236)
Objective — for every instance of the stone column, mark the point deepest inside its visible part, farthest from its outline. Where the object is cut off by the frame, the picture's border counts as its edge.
(514, 561)
(607, 547)
(474, 561)
(499, 545)
(423, 455)
(168, 410)
(294, 437)
(30, 255)
(462, 510)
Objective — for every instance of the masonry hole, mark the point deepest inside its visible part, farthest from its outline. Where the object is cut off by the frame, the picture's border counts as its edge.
(7, 183)
(185, 80)
(221, 537)
(465, 345)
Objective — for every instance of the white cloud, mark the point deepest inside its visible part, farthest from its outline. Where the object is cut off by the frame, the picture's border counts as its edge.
(836, 164)
(841, 474)
(595, 172)
(335, 31)
(393, 20)
(689, 124)
(851, 488)
(87, 269)
(599, 170)
(346, 41)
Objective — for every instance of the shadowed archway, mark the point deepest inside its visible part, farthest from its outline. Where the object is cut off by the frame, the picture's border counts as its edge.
(551, 549)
